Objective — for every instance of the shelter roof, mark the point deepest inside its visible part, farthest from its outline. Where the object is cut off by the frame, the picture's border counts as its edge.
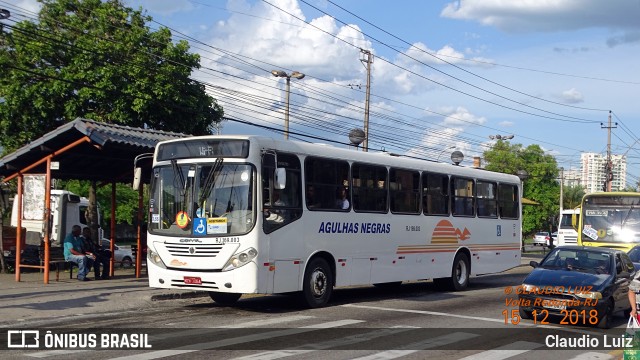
(85, 150)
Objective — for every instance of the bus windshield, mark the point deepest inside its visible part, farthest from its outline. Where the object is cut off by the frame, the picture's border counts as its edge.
(202, 199)
(604, 222)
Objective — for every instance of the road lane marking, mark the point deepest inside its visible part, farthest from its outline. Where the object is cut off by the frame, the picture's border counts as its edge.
(504, 352)
(325, 345)
(237, 340)
(424, 312)
(418, 346)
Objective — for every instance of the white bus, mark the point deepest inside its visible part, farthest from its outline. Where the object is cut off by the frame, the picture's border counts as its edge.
(567, 235)
(236, 215)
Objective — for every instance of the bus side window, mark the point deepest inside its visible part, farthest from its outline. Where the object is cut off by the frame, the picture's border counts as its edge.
(463, 191)
(282, 206)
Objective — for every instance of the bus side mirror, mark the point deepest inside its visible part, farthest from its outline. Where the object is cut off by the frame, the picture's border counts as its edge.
(280, 178)
(137, 175)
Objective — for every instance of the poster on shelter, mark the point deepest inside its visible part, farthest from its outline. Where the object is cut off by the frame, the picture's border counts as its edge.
(33, 197)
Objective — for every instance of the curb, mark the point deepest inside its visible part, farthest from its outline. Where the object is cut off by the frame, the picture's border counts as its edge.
(181, 295)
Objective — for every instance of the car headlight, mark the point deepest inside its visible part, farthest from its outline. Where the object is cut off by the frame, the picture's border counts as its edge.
(154, 258)
(528, 288)
(594, 295)
(240, 259)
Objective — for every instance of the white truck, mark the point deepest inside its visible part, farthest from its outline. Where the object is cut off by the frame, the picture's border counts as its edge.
(567, 235)
(67, 209)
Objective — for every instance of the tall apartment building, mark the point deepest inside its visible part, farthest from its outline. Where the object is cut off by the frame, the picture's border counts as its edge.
(593, 172)
(572, 177)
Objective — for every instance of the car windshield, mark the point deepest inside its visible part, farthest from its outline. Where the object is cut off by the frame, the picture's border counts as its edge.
(581, 260)
(634, 254)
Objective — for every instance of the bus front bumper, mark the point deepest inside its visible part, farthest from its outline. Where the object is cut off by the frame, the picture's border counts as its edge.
(243, 280)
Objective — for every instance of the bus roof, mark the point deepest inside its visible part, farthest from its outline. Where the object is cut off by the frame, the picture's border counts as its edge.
(351, 154)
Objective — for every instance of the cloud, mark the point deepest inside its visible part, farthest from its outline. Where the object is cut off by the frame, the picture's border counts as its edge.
(28, 5)
(461, 116)
(627, 38)
(506, 123)
(546, 15)
(572, 96)
(164, 7)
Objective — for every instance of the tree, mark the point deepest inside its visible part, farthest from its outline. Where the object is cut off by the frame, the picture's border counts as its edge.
(97, 60)
(540, 186)
(572, 196)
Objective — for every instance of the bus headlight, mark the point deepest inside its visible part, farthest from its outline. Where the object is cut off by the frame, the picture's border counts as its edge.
(240, 259)
(594, 295)
(153, 257)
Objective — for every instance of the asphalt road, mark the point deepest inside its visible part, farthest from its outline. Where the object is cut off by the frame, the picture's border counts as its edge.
(413, 321)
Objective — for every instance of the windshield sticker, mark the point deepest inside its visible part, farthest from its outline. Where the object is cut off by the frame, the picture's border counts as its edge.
(590, 232)
(597, 213)
(182, 219)
(199, 226)
(155, 218)
(217, 225)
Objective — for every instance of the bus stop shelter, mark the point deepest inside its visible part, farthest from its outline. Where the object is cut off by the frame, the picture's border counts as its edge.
(84, 150)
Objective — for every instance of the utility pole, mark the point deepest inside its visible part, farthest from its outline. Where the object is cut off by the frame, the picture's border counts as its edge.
(608, 167)
(368, 58)
(561, 189)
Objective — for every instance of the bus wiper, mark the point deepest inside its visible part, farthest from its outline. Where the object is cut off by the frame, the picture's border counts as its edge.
(177, 171)
(627, 216)
(209, 182)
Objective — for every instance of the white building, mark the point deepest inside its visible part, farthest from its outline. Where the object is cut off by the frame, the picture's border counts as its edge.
(593, 172)
(572, 178)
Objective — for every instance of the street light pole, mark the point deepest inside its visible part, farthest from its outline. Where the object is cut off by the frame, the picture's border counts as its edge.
(443, 150)
(296, 75)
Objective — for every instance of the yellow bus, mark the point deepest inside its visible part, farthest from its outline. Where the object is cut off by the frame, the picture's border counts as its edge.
(609, 219)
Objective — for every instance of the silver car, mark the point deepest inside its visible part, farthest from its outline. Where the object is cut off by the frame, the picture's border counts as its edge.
(122, 256)
(542, 238)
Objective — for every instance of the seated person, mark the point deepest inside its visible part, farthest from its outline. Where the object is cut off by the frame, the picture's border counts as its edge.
(101, 256)
(272, 215)
(74, 252)
(571, 263)
(310, 198)
(342, 202)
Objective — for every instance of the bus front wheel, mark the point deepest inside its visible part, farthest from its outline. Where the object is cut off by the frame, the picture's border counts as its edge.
(224, 299)
(460, 271)
(318, 283)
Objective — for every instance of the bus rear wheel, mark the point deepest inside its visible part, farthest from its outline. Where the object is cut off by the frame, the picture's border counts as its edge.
(318, 283)
(460, 271)
(224, 299)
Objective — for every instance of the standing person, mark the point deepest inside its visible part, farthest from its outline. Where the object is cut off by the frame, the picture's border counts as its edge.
(102, 256)
(74, 252)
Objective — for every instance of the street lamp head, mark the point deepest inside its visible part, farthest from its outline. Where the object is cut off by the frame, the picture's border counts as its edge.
(522, 174)
(356, 136)
(297, 75)
(457, 157)
(492, 137)
(508, 137)
(279, 73)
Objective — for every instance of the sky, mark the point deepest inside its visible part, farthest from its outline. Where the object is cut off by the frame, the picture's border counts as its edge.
(445, 74)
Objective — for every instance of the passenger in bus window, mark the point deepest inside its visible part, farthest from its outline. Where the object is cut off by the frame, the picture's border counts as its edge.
(342, 202)
(311, 198)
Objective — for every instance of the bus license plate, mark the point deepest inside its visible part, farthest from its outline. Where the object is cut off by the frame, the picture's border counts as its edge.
(192, 280)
